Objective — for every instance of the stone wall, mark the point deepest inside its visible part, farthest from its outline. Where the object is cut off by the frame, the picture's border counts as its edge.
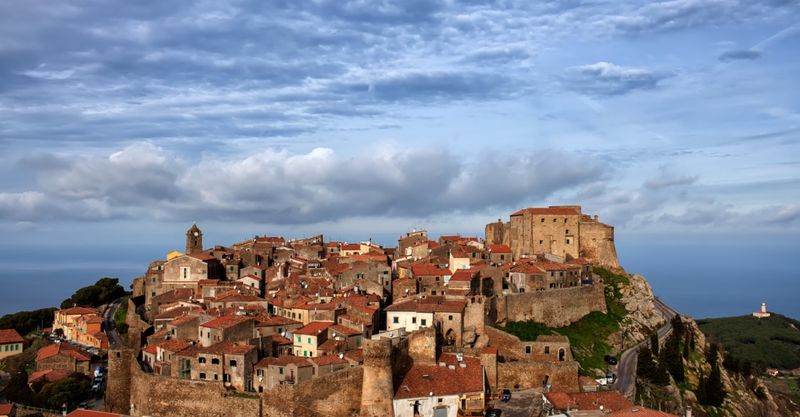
(160, 396)
(597, 243)
(118, 388)
(333, 395)
(562, 376)
(377, 390)
(554, 308)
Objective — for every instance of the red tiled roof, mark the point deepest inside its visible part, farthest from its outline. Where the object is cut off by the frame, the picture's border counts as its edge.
(202, 256)
(327, 360)
(74, 311)
(10, 336)
(225, 322)
(49, 375)
(544, 211)
(499, 249)
(6, 409)
(610, 400)
(428, 269)
(61, 349)
(344, 330)
(262, 320)
(280, 340)
(421, 380)
(175, 345)
(463, 275)
(355, 355)
(314, 328)
(640, 411)
(283, 361)
(429, 305)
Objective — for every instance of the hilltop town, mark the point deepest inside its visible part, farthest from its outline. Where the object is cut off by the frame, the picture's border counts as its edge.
(308, 327)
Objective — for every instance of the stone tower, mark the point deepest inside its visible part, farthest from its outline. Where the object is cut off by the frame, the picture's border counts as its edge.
(118, 391)
(194, 240)
(377, 390)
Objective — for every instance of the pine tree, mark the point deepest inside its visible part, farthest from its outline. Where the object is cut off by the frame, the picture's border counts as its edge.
(654, 346)
(646, 368)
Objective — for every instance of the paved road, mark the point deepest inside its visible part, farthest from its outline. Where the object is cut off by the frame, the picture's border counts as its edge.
(108, 323)
(626, 369)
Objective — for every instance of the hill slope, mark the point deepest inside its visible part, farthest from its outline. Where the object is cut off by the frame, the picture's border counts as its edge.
(769, 342)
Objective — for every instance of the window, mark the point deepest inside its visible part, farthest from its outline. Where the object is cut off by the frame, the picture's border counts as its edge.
(216, 377)
(396, 320)
(413, 320)
(424, 322)
(280, 371)
(433, 292)
(214, 361)
(541, 242)
(232, 363)
(280, 330)
(185, 272)
(542, 219)
(566, 232)
(202, 375)
(527, 349)
(437, 279)
(547, 350)
(450, 317)
(201, 359)
(309, 340)
(299, 339)
(502, 257)
(554, 220)
(259, 372)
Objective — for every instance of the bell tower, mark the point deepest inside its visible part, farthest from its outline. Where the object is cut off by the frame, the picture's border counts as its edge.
(194, 240)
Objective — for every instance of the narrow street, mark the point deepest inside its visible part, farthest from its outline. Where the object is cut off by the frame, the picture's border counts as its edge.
(626, 369)
(108, 323)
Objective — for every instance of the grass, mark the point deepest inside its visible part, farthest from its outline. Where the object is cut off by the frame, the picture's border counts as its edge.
(768, 342)
(794, 387)
(119, 315)
(588, 335)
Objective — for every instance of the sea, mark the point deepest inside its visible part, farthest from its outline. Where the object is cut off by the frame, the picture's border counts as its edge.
(700, 276)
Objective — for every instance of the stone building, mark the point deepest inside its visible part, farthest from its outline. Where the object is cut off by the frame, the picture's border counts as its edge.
(63, 356)
(194, 240)
(269, 372)
(559, 230)
(412, 315)
(226, 362)
(230, 328)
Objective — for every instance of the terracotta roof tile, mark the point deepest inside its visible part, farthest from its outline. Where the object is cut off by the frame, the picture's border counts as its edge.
(421, 380)
(545, 211)
(314, 328)
(639, 411)
(225, 322)
(610, 400)
(61, 349)
(283, 361)
(328, 360)
(10, 336)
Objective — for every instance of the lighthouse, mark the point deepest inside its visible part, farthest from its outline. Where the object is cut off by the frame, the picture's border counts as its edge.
(763, 313)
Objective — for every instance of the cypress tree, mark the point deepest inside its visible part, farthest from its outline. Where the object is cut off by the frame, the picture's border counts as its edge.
(715, 392)
(646, 368)
(677, 326)
(712, 353)
(654, 343)
(670, 358)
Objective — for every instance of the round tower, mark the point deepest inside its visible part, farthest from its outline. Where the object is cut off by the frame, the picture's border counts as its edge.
(377, 390)
(194, 240)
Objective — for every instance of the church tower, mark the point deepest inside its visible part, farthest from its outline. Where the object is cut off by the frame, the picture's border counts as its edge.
(194, 240)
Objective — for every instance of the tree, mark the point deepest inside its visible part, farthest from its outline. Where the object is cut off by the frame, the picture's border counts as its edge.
(104, 291)
(712, 353)
(715, 392)
(72, 390)
(654, 346)
(677, 325)
(670, 357)
(17, 390)
(27, 321)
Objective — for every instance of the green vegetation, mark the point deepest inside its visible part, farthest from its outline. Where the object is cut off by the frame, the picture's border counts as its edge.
(28, 321)
(769, 342)
(119, 318)
(588, 335)
(104, 291)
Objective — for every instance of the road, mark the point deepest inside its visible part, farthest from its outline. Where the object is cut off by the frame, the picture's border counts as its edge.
(108, 323)
(626, 369)
(522, 404)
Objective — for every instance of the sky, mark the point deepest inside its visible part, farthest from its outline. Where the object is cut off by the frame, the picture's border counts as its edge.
(121, 122)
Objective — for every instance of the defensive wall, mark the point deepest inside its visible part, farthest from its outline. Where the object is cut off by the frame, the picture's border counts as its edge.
(554, 308)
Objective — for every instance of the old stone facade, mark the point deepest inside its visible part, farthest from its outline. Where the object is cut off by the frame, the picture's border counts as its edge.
(558, 230)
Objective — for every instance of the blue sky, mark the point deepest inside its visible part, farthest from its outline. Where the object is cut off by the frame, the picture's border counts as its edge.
(123, 122)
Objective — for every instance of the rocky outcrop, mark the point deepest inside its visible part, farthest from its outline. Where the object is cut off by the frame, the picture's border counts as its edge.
(643, 317)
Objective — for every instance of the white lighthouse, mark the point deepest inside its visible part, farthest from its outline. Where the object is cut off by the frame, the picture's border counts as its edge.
(763, 313)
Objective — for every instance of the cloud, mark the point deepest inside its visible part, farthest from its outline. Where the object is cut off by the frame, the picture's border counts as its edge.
(740, 54)
(143, 181)
(607, 79)
(667, 179)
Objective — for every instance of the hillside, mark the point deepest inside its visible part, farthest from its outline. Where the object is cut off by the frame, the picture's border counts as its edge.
(769, 342)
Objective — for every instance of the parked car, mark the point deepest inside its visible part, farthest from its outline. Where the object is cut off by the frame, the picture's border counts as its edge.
(493, 412)
(506, 395)
(611, 360)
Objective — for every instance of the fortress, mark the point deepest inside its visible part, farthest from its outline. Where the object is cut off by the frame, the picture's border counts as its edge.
(556, 230)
